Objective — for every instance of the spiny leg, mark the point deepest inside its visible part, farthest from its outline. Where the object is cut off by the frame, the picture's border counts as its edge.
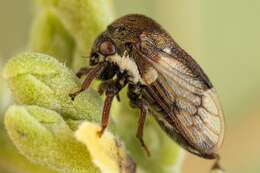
(92, 74)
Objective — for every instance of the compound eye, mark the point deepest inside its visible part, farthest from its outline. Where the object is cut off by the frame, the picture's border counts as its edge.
(107, 48)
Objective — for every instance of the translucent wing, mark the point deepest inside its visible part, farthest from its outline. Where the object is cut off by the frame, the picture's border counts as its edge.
(184, 101)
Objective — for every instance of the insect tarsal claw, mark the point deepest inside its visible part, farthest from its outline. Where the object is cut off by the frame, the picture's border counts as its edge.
(100, 133)
(72, 96)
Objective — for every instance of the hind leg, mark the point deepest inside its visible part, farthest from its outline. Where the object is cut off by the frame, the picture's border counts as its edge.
(134, 94)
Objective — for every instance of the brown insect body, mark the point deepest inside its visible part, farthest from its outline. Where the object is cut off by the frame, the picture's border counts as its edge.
(162, 78)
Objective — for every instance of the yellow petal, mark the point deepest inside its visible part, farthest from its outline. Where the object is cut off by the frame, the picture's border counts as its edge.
(106, 152)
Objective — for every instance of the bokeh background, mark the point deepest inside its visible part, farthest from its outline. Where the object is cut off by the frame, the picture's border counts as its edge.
(223, 36)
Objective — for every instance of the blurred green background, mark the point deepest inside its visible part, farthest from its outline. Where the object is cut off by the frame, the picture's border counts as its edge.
(223, 36)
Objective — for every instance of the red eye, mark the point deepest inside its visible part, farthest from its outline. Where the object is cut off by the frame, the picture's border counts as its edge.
(107, 48)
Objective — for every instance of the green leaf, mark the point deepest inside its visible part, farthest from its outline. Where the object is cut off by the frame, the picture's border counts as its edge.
(41, 133)
(38, 79)
(45, 138)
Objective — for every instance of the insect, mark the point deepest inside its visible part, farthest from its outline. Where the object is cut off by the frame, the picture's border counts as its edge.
(162, 79)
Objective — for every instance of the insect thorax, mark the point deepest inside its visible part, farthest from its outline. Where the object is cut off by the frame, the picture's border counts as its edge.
(128, 64)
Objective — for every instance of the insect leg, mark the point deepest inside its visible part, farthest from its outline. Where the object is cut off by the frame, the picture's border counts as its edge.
(141, 122)
(111, 92)
(134, 94)
(83, 71)
(105, 114)
(103, 87)
(92, 74)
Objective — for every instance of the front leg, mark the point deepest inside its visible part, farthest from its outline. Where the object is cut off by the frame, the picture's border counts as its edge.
(106, 111)
(113, 90)
(92, 74)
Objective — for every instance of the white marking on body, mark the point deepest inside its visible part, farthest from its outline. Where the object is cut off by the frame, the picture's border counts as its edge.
(126, 63)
